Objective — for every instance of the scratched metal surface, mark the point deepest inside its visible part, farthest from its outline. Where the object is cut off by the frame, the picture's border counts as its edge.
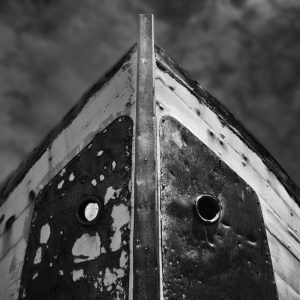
(226, 260)
(68, 260)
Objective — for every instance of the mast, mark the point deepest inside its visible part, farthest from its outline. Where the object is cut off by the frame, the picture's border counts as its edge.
(146, 221)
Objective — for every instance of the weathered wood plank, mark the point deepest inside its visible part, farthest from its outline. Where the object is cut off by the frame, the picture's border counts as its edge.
(226, 119)
(225, 259)
(280, 211)
(10, 271)
(67, 256)
(146, 244)
(18, 230)
(284, 290)
(103, 103)
(116, 98)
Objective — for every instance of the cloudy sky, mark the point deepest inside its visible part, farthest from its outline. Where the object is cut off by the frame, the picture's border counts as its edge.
(246, 52)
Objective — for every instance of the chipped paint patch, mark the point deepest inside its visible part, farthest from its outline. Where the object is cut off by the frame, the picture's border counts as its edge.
(60, 185)
(35, 275)
(113, 165)
(77, 274)
(100, 153)
(87, 247)
(71, 177)
(45, 234)
(109, 278)
(38, 256)
(120, 215)
(111, 193)
(123, 259)
(63, 171)
(94, 182)
(102, 177)
(90, 245)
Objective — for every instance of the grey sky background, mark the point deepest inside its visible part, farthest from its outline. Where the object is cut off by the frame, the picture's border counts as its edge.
(246, 52)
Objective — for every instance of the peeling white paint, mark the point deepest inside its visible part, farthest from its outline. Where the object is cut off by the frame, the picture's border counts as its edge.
(109, 278)
(38, 256)
(45, 234)
(120, 215)
(276, 203)
(87, 247)
(100, 153)
(94, 182)
(111, 193)
(60, 185)
(100, 110)
(123, 259)
(36, 274)
(102, 177)
(77, 274)
(61, 272)
(71, 177)
(103, 250)
(120, 273)
(63, 171)
(113, 165)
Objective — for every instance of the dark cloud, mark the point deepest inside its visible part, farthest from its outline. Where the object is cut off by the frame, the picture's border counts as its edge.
(245, 52)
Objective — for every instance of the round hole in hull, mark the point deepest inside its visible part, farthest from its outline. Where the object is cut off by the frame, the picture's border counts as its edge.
(208, 208)
(89, 210)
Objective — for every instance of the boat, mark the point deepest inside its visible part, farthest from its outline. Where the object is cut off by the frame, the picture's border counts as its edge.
(149, 188)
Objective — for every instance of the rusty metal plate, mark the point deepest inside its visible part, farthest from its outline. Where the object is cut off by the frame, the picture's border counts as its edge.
(71, 258)
(226, 259)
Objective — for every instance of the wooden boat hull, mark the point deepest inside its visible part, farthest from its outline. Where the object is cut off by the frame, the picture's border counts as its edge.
(149, 189)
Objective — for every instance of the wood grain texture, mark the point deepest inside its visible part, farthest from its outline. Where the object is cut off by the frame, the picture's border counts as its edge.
(113, 96)
(146, 245)
(175, 97)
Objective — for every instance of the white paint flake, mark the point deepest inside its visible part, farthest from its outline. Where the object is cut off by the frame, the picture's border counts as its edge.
(113, 165)
(36, 274)
(77, 274)
(61, 272)
(123, 259)
(94, 182)
(100, 153)
(87, 247)
(111, 193)
(120, 216)
(60, 185)
(38, 256)
(102, 177)
(109, 278)
(71, 177)
(63, 171)
(45, 234)
(103, 250)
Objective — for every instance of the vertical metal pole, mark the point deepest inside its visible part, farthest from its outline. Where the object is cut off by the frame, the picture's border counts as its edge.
(146, 223)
